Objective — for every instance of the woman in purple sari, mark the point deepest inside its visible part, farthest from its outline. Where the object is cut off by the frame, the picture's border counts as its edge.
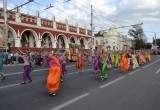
(97, 63)
(45, 60)
(26, 71)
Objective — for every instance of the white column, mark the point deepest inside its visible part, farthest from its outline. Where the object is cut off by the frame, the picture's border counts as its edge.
(31, 42)
(86, 45)
(67, 27)
(38, 43)
(86, 32)
(18, 42)
(54, 44)
(54, 25)
(38, 18)
(18, 17)
(77, 30)
(38, 21)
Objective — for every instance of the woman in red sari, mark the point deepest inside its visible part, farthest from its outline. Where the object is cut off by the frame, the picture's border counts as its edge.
(149, 56)
(67, 59)
(53, 80)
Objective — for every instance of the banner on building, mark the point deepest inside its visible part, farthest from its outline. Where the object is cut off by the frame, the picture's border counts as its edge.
(3, 36)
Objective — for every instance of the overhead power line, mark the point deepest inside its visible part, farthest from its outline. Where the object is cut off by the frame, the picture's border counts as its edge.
(48, 7)
(21, 5)
(121, 27)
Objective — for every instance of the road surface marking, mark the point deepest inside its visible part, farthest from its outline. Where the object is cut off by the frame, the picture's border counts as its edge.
(9, 74)
(80, 71)
(134, 71)
(70, 102)
(36, 77)
(157, 71)
(114, 81)
(9, 85)
(150, 64)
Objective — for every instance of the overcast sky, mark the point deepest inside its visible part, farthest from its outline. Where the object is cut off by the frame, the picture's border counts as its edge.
(106, 13)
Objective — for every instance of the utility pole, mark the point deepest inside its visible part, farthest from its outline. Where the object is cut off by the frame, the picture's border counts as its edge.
(155, 40)
(5, 37)
(5, 11)
(92, 42)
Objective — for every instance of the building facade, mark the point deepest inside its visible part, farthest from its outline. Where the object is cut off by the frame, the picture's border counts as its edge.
(113, 40)
(34, 32)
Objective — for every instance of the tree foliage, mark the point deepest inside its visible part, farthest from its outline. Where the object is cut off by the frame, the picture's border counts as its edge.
(148, 45)
(139, 37)
(136, 32)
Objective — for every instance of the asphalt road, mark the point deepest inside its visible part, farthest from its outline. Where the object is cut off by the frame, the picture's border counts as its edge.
(136, 90)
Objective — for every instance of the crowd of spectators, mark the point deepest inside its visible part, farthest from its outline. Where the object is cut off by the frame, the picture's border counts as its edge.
(11, 58)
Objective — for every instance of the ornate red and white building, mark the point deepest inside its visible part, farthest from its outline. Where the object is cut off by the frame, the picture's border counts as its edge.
(27, 31)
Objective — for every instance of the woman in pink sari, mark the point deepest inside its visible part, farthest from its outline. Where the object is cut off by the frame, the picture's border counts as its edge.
(97, 63)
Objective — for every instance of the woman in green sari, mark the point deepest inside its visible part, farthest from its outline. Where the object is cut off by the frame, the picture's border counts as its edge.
(146, 56)
(112, 58)
(134, 61)
(117, 60)
(103, 66)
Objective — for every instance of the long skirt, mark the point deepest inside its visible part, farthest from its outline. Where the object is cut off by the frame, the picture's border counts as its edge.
(53, 80)
(149, 57)
(26, 73)
(135, 63)
(96, 65)
(124, 65)
(104, 70)
(64, 70)
(79, 65)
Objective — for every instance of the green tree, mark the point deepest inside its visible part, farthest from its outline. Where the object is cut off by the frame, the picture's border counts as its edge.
(148, 45)
(139, 37)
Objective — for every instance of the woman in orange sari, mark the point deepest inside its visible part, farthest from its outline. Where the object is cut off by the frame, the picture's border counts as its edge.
(142, 59)
(53, 80)
(124, 63)
(79, 63)
(149, 56)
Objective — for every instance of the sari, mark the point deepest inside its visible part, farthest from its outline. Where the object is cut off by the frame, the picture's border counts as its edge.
(97, 63)
(134, 60)
(103, 67)
(124, 63)
(149, 56)
(53, 80)
(79, 63)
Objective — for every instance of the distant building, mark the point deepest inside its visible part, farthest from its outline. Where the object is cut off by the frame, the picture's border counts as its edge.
(113, 40)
